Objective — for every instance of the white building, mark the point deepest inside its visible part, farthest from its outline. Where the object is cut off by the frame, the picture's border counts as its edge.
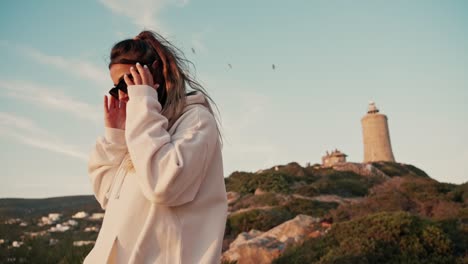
(82, 243)
(97, 216)
(16, 244)
(59, 228)
(91, 229)
(50, 219)
(71, 222)
(80, 215)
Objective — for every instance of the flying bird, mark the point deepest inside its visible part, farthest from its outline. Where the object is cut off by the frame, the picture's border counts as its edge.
(230, 66)
(273, 66)
(193, 50)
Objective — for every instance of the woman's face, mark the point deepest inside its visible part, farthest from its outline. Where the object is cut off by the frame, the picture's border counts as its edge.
(117, 72)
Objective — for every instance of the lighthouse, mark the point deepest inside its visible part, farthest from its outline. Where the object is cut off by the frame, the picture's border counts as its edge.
(376, 136)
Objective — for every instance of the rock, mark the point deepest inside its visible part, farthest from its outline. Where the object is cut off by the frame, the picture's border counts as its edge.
(297, 228)
(257, 247)
(314, 234)
(363, 169)
(232, 197)
(244, 236)
(263, 250)
(259, 191)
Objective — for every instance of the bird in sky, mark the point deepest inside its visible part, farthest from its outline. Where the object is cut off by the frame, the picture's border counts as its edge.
(193, 50)
(230, 66)
(273, 66)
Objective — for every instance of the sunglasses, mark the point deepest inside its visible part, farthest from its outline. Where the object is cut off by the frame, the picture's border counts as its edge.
(121, 85)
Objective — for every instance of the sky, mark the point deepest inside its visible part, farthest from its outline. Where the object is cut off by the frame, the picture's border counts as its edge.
(331, 58)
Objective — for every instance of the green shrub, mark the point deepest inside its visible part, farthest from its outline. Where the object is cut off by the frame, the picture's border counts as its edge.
(262, 220)
(307, 190)
(380, 238)
(393, 169)
(342, 183)
(243, 182)
(250, 200)
(308, 207)
(459, 194)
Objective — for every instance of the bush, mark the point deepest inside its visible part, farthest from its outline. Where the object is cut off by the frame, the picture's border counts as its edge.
(308, 207)
(262, 220)
(308, 190)
(393, 169)
(250, 200)
(341, 183)
(459, 194)
(380, 238)
(243, 182)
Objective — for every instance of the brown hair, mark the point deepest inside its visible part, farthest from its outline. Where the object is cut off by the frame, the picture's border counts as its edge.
(171, 71)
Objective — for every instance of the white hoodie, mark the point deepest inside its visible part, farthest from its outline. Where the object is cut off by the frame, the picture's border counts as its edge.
(172, 207)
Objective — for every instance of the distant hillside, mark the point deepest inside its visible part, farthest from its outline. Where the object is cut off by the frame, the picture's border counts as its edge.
(14, 207)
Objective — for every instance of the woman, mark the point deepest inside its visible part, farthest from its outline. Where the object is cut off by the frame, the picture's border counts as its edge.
(158, 170)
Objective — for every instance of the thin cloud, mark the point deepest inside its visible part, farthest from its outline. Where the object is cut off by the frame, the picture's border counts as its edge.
(52, 146)
(143, 13)
(48, 98)
(18, 122)
(80, 68)
(73, 66)
(28, 133)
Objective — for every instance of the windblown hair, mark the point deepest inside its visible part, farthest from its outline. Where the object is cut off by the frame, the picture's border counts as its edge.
(171, 72)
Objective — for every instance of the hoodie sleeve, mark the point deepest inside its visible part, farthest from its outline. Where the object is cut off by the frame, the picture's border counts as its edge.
(104, 161)
(169, 168)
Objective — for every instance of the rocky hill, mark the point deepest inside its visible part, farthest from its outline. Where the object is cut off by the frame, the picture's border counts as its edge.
(351, 213)
(354, 213)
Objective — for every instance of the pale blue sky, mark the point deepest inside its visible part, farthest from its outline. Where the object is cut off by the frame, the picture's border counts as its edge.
(332, 58)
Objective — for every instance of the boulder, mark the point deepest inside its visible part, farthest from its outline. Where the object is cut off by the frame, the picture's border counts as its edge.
(232, 197)
(244, 236)
(259, 191)
(256, 247)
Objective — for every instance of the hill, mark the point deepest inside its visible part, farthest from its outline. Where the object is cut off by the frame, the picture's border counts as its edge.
(350, 195)
(17, 207)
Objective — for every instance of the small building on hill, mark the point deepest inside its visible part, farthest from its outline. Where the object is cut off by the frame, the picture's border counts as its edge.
(333, 158)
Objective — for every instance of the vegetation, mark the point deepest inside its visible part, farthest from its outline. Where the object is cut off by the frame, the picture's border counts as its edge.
(422, 196)
(258, 219)
(396, 237)
(264, 220)
(250, 200)
(38, 250)
(244, 182)
(397, 169)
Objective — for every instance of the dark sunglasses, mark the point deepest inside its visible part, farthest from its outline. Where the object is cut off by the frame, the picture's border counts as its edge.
(114, 91)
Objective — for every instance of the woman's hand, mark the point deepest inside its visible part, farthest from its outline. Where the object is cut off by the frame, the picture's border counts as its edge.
(141, 75)
(115, 112)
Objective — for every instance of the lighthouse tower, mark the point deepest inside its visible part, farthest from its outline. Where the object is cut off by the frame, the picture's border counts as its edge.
(377, 146)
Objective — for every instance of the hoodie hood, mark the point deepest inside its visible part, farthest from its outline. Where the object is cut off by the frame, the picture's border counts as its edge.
(196, 97)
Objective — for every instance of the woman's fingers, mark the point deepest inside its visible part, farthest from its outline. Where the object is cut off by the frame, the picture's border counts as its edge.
(127, 80)
(122, 103)
(106, 106)
(114, 102)
(145, 74)
(136, 76)
(123, 106)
